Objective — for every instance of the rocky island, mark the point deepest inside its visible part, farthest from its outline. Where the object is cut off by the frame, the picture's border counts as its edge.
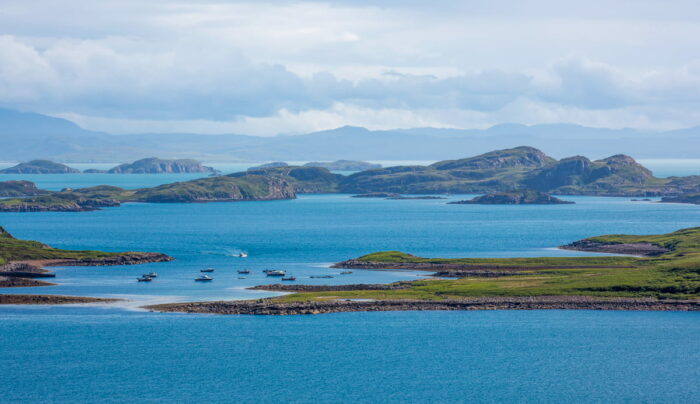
(40, 167)
(666, 277)
(153, 165)
(23, 262)
(520, 197)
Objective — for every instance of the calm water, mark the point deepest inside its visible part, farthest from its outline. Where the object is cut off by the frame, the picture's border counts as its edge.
(120, 354)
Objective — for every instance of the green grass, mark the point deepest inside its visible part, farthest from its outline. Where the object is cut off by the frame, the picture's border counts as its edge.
(12, 249)
(673, 275)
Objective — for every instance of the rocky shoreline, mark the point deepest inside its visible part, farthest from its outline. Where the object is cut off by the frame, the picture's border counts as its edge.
(51, 299)
(639, 249)
(21, 273)
(452, 269)
(273, 307)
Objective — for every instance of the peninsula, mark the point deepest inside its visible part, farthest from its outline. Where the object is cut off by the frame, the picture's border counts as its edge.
(23, 262)
(665, 276)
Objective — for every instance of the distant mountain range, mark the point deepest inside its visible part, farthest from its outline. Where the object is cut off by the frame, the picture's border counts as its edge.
(28, 136)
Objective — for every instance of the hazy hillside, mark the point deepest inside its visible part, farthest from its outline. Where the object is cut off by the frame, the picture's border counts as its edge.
(27, 136)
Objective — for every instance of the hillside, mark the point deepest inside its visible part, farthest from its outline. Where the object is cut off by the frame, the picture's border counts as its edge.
(521, 168)
(19, 189)
(40, 167)
(153, 165)
(213, 189)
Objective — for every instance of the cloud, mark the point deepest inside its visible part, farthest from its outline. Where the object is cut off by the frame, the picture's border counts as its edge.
(288, 66)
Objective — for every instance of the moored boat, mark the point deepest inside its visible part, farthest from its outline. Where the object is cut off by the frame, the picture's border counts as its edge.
(207, 270)
(346, 272)
(289, 278)
(244, 271)
(152, 275)
(274, 272)
(144, 279)
(203, 278)
(321, 276)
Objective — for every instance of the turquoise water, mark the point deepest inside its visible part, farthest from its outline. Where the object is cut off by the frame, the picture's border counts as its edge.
(118, 353)
(91, 355)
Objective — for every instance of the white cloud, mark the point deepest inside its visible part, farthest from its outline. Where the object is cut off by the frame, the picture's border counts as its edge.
(288, 66)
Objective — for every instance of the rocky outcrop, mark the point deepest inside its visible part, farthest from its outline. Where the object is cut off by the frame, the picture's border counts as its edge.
(274, 307)
(51, 299)
(40, 167)
(19, 189)
(640, 249)
(526, 197)
(153, 165)
(693, 199)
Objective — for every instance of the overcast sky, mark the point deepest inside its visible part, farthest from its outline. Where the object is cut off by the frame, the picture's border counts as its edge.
(268, 67)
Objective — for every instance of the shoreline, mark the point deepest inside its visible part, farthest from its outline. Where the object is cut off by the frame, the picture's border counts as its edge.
(271, 307)
(52, 299)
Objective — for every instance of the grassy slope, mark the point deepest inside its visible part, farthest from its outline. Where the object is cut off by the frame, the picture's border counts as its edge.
(675, 274)
(12, 249)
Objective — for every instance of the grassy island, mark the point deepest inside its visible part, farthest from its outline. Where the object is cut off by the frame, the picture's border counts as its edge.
(665, 275)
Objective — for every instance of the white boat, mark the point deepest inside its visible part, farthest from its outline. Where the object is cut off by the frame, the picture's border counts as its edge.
(152, 275)
(242, 254)
(274, 272)
(144, 279)
(203, 278)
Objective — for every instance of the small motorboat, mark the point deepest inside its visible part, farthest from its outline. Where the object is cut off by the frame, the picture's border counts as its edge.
(321, 276)
(289, 278)
(203, 278)
(144, 279)
(207, 270)
(151, 275)
(346, 272)
(242, 254)
(274, 272)
(244, 271)
(242, 277)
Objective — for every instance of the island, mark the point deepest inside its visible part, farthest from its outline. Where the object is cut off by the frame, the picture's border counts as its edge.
(40, 167)
(213, 189)
(19, 189)
(501, 171)
(344, 165)
(519, 197)
(664, 276)
(153, 165)
(23, 264)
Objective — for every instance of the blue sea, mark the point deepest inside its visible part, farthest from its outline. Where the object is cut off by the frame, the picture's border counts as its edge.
(120, 353)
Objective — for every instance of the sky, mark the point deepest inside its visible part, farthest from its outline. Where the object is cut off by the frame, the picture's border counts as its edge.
(271, 67)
